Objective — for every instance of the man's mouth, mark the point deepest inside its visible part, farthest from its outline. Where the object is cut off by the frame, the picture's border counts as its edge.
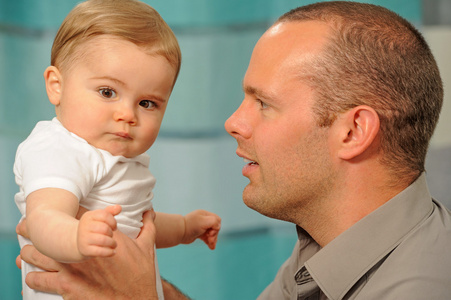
(250, 162)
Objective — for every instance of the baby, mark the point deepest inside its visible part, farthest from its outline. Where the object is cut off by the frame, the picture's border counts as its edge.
(114, 64)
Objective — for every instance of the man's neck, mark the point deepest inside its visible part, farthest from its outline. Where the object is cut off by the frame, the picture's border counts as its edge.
(353, 199)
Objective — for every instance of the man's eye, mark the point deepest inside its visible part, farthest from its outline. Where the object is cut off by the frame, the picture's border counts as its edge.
(107, 93)
(263, 105)
(147, 104)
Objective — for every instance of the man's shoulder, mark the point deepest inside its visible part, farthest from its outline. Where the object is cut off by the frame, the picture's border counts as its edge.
(429, 239)
(420, 266)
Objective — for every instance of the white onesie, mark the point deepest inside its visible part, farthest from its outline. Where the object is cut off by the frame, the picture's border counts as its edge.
(53, 157)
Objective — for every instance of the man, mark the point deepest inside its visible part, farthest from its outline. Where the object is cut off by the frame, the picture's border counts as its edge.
(341, 100)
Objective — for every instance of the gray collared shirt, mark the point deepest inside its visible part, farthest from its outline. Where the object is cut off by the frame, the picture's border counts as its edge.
(402, 250)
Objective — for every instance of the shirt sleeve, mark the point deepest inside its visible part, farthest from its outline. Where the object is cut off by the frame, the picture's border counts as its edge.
(49, 159)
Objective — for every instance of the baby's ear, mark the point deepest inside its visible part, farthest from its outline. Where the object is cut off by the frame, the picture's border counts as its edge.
(53, 84)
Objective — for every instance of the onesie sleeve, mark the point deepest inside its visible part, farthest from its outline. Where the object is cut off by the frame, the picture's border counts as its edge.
(57, 159)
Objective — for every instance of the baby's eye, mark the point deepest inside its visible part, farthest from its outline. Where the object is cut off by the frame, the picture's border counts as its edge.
(107, 93)
(148, 104)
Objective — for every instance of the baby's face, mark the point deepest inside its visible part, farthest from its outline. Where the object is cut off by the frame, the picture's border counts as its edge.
(115, 96)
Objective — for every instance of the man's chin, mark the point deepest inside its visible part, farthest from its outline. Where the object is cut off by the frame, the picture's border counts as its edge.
(253, 200)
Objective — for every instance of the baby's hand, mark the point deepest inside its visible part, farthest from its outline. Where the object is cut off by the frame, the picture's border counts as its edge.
(95, 232)
(203, 225)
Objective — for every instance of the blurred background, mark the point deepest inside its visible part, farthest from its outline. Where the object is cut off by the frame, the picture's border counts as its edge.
(193, 158)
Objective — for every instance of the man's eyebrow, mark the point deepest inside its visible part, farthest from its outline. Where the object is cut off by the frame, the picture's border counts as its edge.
(247, 89)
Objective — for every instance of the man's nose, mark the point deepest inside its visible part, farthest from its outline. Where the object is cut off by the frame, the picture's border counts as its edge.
(238, 123)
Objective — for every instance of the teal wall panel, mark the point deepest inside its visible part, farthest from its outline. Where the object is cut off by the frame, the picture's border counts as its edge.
(216, 38)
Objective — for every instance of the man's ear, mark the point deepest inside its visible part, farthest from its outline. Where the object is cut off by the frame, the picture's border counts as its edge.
(358, 130)
(53, 84)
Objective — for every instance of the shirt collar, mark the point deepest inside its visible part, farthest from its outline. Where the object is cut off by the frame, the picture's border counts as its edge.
(342, 262)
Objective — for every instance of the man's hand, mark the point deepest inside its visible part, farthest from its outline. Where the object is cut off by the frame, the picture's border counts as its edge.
(129, 274)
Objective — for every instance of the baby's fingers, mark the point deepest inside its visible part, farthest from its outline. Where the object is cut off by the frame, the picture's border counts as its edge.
(104, 216)
(96, 251)
(114, 209)
(210, 238)
(98, 245)
(104, 227)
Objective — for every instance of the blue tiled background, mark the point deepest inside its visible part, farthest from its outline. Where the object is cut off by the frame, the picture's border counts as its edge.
(193, 159)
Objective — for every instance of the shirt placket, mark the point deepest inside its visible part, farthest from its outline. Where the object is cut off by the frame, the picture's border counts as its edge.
(307, 289)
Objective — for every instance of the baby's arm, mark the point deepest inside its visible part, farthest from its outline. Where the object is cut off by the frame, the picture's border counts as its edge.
(175, 229)
(55, 232)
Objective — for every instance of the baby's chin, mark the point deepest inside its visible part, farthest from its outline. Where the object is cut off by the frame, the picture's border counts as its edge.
(119, 150)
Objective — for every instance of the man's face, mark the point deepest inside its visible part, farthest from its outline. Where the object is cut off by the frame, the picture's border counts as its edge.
(286, 153)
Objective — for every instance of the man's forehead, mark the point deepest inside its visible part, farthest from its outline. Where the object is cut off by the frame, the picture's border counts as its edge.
(308, 34)
(288, 47)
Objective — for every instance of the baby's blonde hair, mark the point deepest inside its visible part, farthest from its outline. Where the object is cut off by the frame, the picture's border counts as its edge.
(130, 20)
